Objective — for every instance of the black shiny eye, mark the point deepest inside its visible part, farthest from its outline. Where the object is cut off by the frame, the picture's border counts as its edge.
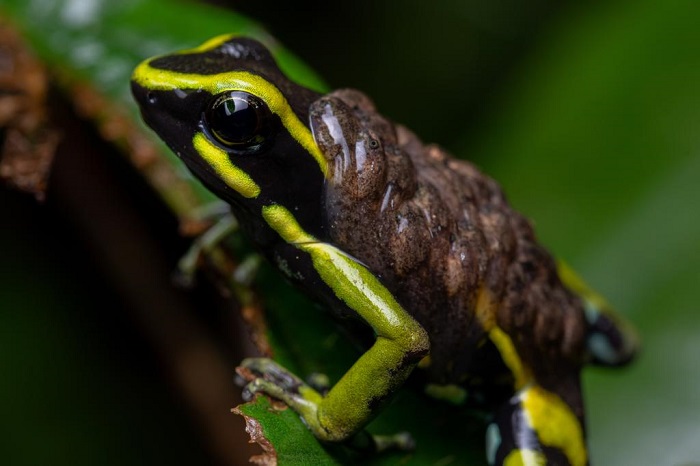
(239, 120)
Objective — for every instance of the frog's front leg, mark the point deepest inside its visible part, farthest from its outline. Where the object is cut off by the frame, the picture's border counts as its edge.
(400, 342)
(225, 225)
(268, 377)
(535, 428)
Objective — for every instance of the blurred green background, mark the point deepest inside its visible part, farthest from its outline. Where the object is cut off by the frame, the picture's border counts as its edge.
(589, 116)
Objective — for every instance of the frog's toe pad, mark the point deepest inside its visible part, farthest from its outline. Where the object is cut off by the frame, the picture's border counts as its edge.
(402, 441)
(319, 382)
(292, 399)
(252, 388)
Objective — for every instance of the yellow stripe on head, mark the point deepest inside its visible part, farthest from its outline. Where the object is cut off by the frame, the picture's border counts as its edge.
(210, 44)
(230, 174)
(167, 80)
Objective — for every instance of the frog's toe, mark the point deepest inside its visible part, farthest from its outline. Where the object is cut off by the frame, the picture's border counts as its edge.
(369, 444)
(319, 382)
(403, 441)
(225, 225)
(522, 432)
(267, 370)
(260, 386)
(293, 399)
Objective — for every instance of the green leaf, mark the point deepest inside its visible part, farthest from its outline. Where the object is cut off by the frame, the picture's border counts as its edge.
(102, 41)
(291, 442)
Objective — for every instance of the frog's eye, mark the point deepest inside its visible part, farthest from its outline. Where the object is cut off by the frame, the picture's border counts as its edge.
(239, 121)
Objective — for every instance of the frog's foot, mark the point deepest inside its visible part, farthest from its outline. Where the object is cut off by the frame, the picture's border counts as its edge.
(268, 377)
(225, 225)
(319, 382)
(535, 428)
(365, 443)
(612, 341)
(264, 371)
(403, 441)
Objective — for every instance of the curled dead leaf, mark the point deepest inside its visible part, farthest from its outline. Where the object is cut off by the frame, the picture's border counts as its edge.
(28, 145)
(254, 429)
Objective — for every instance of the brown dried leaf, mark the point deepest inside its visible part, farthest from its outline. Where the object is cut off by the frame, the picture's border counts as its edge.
(254, 429)
(29, 143)
(254, 315)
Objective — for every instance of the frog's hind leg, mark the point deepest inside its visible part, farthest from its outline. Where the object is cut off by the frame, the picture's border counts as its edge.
(535, 427)
(611, 340)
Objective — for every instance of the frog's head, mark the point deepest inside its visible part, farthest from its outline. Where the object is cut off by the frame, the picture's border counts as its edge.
(237, 122)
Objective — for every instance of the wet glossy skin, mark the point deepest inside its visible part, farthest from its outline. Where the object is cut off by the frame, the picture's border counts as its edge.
(442, 236)
(371, 222)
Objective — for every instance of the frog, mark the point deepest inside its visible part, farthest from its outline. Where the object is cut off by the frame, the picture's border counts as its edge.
(420, 248)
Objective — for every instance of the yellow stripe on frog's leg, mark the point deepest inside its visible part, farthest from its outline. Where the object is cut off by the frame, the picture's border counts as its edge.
(612, 340)
(400, 341)
(486, 313)
(509, 354)
(536, 420)
(534, 417)
(525, 458)
(555, 423)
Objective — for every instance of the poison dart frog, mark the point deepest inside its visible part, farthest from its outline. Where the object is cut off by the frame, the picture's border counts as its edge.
(374, 224)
